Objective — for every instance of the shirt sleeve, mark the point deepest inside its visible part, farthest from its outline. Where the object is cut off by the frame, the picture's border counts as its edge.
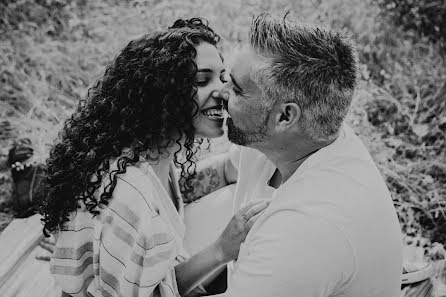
(292, 254)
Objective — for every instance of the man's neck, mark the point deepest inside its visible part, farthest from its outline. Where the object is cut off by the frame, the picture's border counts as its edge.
(286, 166)
(288, 158)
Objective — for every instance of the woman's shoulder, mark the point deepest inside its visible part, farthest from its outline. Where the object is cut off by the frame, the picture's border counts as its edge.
(135, 189)
(136, 177)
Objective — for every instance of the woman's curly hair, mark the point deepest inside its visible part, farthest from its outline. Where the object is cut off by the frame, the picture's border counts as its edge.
(146, 95)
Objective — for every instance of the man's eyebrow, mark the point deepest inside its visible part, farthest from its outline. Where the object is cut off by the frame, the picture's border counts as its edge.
(235, 82)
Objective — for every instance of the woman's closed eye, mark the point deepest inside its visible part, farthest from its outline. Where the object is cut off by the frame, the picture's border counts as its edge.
(203, 78)
(202, 83)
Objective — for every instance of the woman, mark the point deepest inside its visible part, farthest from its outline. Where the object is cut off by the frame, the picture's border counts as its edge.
(109, 196)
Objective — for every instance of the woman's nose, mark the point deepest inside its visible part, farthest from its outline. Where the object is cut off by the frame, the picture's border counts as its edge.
(221, 94)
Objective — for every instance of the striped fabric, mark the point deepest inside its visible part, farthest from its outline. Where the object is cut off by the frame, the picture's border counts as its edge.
(130, 249)
(420, 289)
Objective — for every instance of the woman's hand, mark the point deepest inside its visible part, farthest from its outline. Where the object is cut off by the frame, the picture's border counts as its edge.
(48, 245)
(226, 248)
(228, 244)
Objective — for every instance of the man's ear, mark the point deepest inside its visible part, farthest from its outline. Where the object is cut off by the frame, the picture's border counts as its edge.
(288, 115)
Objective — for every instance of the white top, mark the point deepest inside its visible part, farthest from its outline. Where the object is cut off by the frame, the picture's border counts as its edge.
(330, 230)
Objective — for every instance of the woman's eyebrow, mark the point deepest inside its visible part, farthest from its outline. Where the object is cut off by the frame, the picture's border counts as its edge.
(209, 70)
(205, 70)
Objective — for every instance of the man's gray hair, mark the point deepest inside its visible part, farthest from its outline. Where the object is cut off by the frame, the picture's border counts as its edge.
(312, 67)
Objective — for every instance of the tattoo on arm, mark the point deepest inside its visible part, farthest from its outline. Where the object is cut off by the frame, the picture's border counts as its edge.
(204, 182)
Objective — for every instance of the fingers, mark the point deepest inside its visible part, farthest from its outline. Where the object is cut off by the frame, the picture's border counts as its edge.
(43, 258)
(246, 207)
(254, 210)
(47, 246)
(49, 240)
(251, 222)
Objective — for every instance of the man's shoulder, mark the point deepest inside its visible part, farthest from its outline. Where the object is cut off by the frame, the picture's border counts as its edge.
(345, 162)
(348, 146)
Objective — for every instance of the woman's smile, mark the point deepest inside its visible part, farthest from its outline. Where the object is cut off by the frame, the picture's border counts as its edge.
(214, 113)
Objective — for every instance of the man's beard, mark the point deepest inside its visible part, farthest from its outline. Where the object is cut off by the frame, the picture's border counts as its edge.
(244, 138)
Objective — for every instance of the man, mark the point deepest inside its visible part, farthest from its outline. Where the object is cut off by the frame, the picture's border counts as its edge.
(331, 228)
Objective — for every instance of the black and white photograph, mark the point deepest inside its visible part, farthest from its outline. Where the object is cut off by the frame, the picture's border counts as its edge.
(257, 148)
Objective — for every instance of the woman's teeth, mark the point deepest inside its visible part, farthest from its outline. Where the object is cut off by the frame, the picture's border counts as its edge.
(213, 114)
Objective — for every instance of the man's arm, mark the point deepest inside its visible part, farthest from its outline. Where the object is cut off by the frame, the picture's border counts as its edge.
(212, 174)
(292, 254)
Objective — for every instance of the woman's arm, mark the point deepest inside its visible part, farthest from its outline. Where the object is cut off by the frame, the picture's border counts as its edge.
(193, 271)
(226, 248)
(212, 174)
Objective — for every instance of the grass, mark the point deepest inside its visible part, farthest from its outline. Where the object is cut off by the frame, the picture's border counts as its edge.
(51, 51)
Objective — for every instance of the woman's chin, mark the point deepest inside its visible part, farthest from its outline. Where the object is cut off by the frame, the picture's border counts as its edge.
(209, 132)
(208, 128)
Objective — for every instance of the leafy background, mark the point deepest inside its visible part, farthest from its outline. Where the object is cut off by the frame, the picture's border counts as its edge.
(52, 50)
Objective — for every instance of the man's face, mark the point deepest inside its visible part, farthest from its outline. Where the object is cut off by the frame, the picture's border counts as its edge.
(248, 116)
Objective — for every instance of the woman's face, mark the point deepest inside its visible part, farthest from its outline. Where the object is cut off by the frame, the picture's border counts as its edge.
(210, 79)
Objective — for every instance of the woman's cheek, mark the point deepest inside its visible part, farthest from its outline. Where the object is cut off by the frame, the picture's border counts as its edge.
(200, 97)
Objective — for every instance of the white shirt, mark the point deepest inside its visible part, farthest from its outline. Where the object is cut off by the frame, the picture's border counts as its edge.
(330, 230)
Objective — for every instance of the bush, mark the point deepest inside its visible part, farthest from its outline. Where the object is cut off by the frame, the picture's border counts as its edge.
(425, 17)
(29, 15)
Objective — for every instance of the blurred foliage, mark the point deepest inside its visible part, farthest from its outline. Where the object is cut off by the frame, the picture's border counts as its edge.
(422, 17)
(51, 51)
(31, 14)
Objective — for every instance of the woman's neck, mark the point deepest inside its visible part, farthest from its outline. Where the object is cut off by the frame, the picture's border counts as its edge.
(161, 168)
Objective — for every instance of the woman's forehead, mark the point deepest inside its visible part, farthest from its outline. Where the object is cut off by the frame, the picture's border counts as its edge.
(208, 56)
